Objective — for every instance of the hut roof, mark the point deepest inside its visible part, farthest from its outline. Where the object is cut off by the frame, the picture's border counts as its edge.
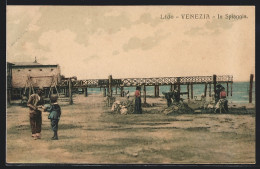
(30, 65)
(25, 63)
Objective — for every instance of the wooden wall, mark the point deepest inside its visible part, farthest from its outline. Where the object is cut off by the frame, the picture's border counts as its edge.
(20, 76)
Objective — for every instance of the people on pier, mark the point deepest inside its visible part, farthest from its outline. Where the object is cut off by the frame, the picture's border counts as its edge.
(138, 106)
(34, 103)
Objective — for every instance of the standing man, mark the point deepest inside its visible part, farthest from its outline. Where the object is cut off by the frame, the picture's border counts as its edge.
(35, 101)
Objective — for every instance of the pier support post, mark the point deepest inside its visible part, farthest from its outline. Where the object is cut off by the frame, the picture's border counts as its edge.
(171, 88)
(116, 89)
(104, 92)
(144, 88)
(188, 90)
(191, 90)
(110, 86)
(179, 84)
(156, 91)
(227, 88)
(251, 88)
(174, 86)
(214, 83)
(110, 91)
(231, 89)
(210, 90)
(70, 92)
(86, 92)
(205, 91)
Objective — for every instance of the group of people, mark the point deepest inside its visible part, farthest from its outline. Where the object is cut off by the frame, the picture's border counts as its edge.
(36, 106)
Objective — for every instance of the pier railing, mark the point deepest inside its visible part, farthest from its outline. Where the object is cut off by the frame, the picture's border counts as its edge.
(127, 82)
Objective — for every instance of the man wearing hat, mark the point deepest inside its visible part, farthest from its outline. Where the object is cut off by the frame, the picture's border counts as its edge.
(35, 101)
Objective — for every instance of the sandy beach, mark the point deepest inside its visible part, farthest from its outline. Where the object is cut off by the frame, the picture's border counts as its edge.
(89, 133)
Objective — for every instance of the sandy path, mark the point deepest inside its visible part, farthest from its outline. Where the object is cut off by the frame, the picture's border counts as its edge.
(89, 134)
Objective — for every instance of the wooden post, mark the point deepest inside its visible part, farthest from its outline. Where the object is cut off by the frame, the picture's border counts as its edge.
(110, 91)
(179, 84)
(116, 89)
(174, 86)
(171, 88)
(86, 92)
(205, 91)
(144, 88)
(104, 92)
(191, 90)
(70, 92)
(66, 90)
(231, 88)
(227, 88)
(122, 91)
(210, 90)
(188, 90)
(110, 86)
(214, 83)
(156, 90)
(30, 91)
(20, 93)
(251, 88)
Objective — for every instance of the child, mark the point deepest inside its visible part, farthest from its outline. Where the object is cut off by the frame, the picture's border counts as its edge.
(54, 116)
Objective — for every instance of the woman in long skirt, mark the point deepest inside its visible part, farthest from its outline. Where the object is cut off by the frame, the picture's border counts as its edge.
(138, 106)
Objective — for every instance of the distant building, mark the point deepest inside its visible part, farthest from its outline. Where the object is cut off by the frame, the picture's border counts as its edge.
(32, 74)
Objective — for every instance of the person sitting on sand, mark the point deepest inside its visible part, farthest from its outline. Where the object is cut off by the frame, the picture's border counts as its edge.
(54, 116)
(223, 96)
(222, 103)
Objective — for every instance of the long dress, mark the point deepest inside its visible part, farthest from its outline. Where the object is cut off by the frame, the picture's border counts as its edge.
(138, 106)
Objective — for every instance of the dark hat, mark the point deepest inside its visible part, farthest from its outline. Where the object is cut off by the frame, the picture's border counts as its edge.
(54, 98)
(219, 85)
(40, 88)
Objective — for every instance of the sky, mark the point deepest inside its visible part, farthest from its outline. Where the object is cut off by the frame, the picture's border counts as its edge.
(93, 42)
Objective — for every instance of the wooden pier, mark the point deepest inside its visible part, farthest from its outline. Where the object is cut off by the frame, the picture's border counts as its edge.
(174, 82)
(132, 82)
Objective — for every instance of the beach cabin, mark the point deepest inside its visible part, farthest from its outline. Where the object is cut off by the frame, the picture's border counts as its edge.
(28, 76)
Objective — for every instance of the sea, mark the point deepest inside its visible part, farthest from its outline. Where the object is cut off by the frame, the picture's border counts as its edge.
(240, 91)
